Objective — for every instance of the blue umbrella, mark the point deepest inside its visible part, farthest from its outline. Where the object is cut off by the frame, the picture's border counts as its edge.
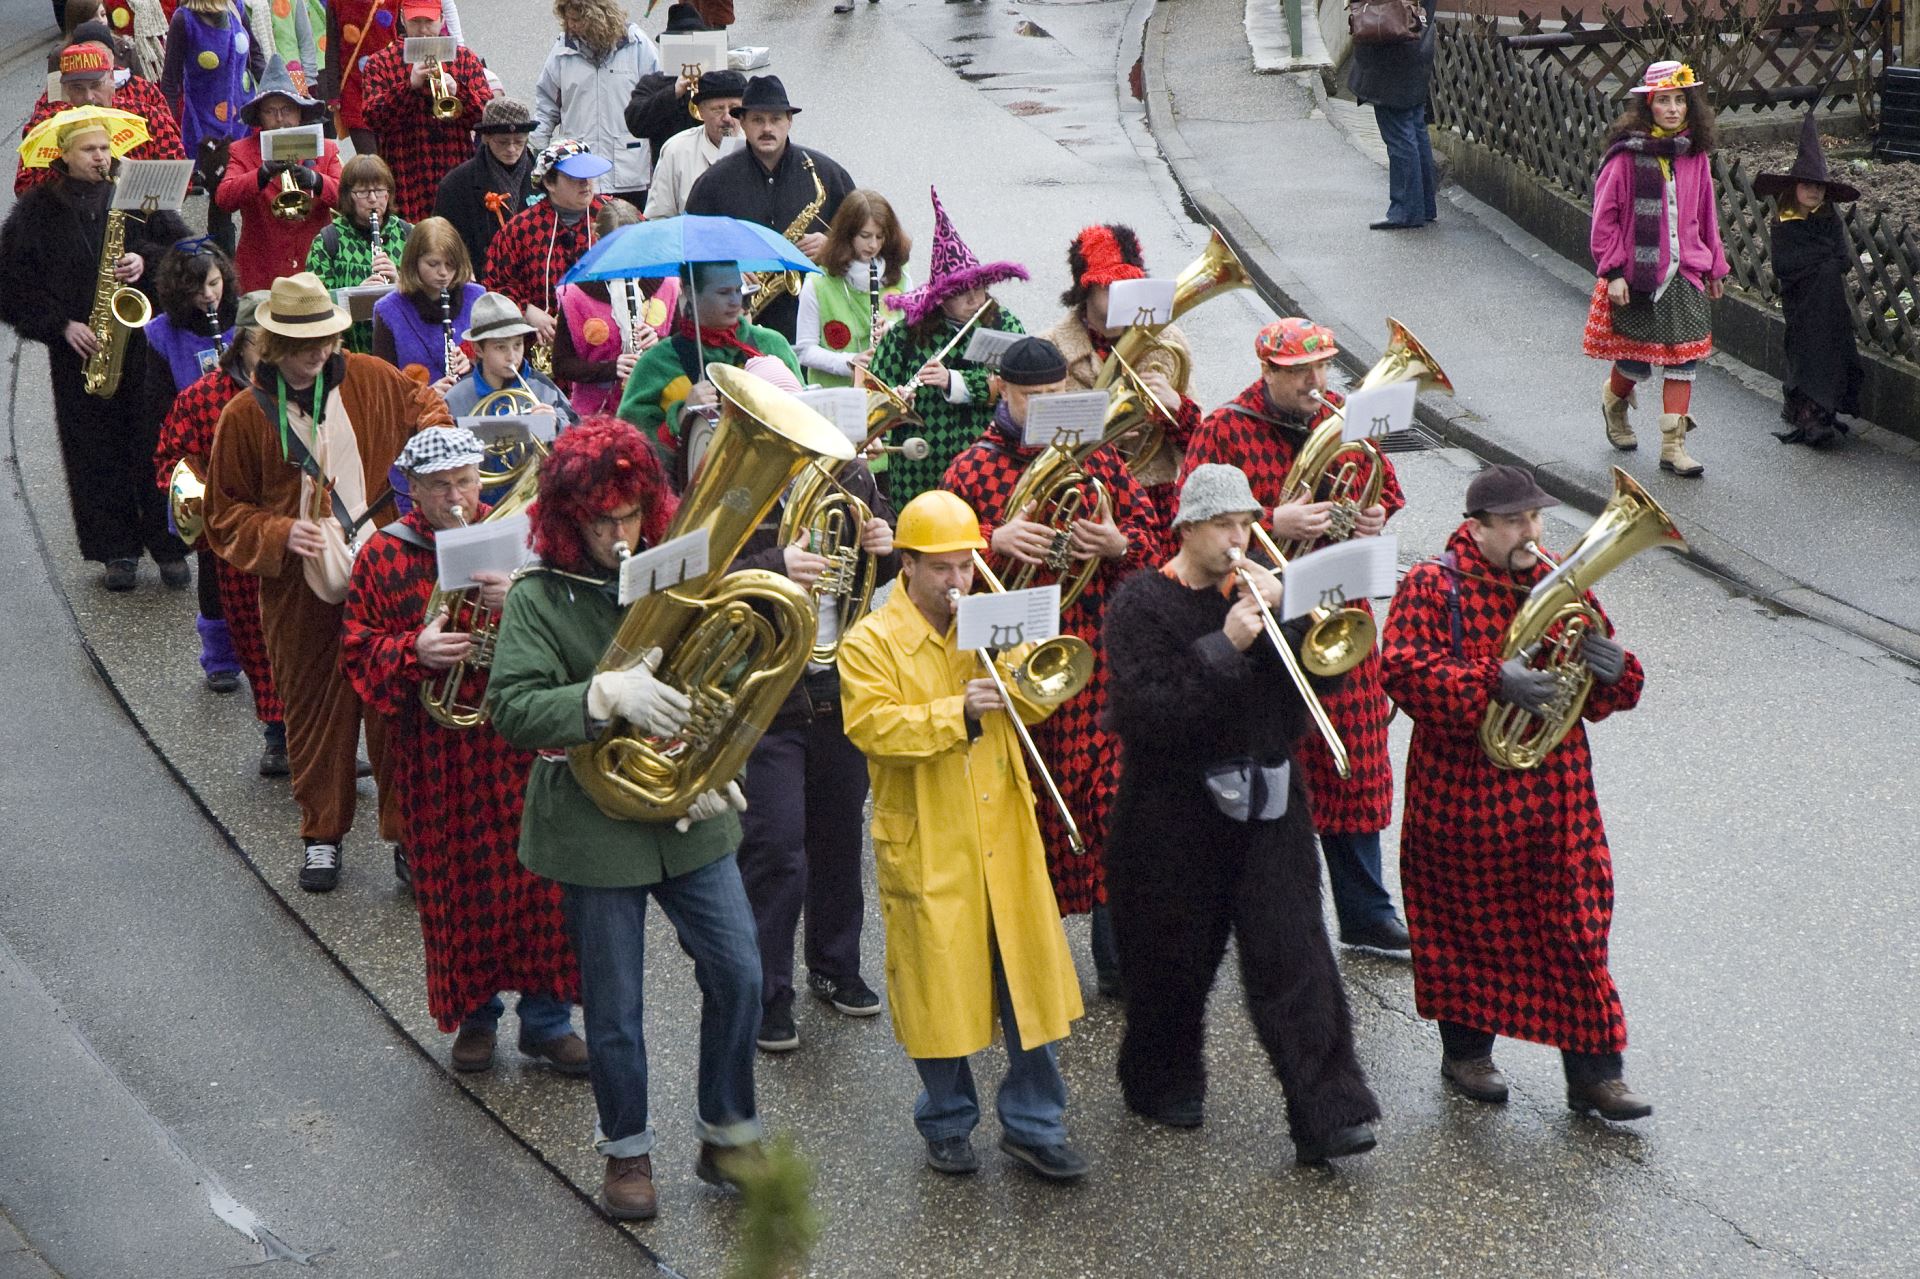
(662, 247)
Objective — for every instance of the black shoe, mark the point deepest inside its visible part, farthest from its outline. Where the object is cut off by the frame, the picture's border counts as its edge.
(1108, 985)
(1357, 1140)
(1059, 1162)
(175, 574)
(273, 758)
(778, 1034)
(222, 681)
(952, 1155)
(402, 870)
(321, 871)
(361, 768)
(1388, 935)
(1387, 225)
(1183, 1112)
(121, 575)
(852, 996)
(1609, 1099)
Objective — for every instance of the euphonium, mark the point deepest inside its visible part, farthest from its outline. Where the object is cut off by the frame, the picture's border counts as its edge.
(1350, 474)
(1556, 617)
(456, 697)
(118, 310)
(1216, 271)
(734, 643)
(446, 94)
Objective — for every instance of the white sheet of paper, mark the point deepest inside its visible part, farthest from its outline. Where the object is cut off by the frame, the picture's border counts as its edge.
(1357, 569)
(1379, 411)
(1131, 302)
(512, 426)
(1004, 620)
(1069, 417)
(419, 49)
(749, 57)
(300, 142)
(682, 50)
(986, 346)
(162, 181)
(491, 546)
(666, 565)
(844, 406)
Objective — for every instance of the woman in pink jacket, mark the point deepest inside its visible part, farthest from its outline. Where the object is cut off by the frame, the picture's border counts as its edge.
(1656, 248)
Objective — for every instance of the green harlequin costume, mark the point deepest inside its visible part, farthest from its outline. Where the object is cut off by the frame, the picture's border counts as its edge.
(342, 256)
(666, 372)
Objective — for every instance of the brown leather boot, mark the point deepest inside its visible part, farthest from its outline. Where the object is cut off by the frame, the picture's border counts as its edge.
(1673, 445)
(473, 1050)
(567, 1054)
(1613, 411)
(1475, 1077)
(1609, 1099)
(627, 1189)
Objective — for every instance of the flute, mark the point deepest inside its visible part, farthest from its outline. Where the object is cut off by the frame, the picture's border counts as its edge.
(914, 388)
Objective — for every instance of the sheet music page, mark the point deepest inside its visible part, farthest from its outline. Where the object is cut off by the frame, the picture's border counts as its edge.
(421, 49)
(300, 142)
(844, 406)
(1070, 417)
(1131, 302)
(162, 181)
(665, 566)
(1358, 569)
(986, 346)
(1377, 412)
(1005, 620)
(700, 50)
(491, 546)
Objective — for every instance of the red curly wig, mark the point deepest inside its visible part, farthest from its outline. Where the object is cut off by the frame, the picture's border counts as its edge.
(601, 465)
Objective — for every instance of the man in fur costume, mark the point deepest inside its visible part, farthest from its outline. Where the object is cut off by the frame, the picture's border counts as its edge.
(1098, 257)
(1261, 431)
(1211, 835)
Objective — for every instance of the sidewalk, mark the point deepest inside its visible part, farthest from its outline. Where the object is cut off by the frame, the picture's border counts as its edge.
(1824, 534)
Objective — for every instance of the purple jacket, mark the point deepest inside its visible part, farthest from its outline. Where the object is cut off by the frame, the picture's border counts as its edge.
(1701, 256)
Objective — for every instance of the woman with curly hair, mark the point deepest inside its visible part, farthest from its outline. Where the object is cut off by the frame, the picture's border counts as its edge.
(583, 90)
(603, 491)
(1656, 248)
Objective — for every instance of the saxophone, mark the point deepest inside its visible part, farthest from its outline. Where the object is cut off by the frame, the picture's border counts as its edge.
(788, 282)
(118, 310)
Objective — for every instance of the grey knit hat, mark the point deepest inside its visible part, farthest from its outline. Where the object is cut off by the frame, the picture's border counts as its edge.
(505, 115)
(1214, 489)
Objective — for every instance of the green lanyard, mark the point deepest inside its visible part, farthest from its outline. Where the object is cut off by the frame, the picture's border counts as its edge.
(280, 382)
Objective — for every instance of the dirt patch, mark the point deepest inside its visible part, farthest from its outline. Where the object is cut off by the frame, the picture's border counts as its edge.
(1891, 187)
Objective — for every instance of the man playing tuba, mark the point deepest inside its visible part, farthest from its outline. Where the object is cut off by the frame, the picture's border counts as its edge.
(1508, 879)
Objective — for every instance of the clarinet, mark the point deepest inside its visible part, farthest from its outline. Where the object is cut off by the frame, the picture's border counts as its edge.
(446, 330)
(873, 296)
(213, 327)
(373, 238)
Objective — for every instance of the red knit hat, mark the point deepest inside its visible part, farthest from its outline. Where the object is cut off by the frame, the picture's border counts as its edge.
(599, 466)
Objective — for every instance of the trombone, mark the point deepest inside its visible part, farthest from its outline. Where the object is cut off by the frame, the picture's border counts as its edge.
(1331, 735)
(1054, 671)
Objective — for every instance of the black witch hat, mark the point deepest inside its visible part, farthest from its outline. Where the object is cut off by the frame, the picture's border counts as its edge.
(1809, 166)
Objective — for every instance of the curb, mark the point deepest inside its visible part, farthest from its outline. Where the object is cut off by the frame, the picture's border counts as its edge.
(1580, 486)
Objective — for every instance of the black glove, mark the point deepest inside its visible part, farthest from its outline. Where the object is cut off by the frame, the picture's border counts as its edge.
(306, 179)
(1522, 686)
(1604, 657)
(271, 170)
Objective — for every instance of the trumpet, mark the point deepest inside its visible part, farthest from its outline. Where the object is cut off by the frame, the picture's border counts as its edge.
(444, 91)
(1053, 672)
(1271, 625)
(455, 698)
(291, 202)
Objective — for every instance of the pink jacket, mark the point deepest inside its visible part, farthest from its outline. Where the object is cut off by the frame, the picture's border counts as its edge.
(1701, 256)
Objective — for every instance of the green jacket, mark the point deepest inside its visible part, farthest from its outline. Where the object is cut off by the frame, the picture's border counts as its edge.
(552, 634)
(342, 256)
(659, 381)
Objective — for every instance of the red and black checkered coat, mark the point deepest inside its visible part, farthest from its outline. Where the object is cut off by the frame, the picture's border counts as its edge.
(1508, 881)
(140, 96)
(1083, 757)
(418, 148)
(528, 259)
(1264, 449)
(187, 431)
(489, 924)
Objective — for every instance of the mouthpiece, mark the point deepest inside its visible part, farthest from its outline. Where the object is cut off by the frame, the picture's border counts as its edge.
(916, 449)
(458, 512)
(953, 596)
(622, 551)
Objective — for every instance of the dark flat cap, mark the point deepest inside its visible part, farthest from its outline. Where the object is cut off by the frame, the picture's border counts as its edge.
(1033, 362)
(1506, 490)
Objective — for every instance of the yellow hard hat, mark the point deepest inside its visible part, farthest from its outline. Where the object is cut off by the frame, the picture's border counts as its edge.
(937, 522)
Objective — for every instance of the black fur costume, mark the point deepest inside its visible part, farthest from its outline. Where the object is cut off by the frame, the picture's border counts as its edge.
(1180, 874)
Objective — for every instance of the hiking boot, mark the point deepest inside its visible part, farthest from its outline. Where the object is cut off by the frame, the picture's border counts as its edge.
(1673, 445)
(1613, 412)
(1475, 1077)
(627, 1188)
(473, 1049)
(1609, 1099)
(567, 1053)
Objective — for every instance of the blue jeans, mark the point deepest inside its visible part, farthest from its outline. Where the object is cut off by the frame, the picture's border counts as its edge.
(1410, 181)
(608, 926)
(1360, 898)
(1032, 1099)
(542, 1017)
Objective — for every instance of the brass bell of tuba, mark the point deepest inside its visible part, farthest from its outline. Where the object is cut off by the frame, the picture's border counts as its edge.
(1555, 617)
(186, 500)
(456, 697)
(1350, 473)
(734, 643)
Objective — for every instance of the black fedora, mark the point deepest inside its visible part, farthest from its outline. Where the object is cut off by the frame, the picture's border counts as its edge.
(1809, 166)
(682, 18)
(765, 93)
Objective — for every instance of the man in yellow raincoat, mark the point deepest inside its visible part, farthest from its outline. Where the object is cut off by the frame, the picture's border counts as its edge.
(969, 910)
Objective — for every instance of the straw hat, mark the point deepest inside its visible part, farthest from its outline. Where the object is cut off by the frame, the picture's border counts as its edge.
(299, 306)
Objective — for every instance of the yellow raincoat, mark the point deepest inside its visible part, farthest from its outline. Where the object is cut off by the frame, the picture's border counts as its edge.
(956, 849)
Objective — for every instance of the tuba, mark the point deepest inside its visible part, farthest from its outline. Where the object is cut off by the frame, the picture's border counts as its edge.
(1216, 271)
(456, 697)
(734, 662)
(118, 310)
(1329, 469)
(1555, 617)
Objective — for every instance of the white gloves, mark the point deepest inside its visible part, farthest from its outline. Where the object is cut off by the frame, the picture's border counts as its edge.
(711, 804)
(639, 697)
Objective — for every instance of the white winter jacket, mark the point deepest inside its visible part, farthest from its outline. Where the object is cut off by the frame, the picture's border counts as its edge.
(578, 98)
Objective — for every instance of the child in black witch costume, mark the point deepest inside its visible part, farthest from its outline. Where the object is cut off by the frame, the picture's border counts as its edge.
(1810, 259)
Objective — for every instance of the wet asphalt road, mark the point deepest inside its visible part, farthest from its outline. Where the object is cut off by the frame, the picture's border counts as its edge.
(1756, 804)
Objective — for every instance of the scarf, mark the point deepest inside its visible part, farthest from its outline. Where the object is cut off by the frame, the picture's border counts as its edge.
(1653, 155)
(713, 339)
(504, 182)
(1012, 436)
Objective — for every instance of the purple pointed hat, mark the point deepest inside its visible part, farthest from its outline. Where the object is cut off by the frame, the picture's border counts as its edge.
(951, 269)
